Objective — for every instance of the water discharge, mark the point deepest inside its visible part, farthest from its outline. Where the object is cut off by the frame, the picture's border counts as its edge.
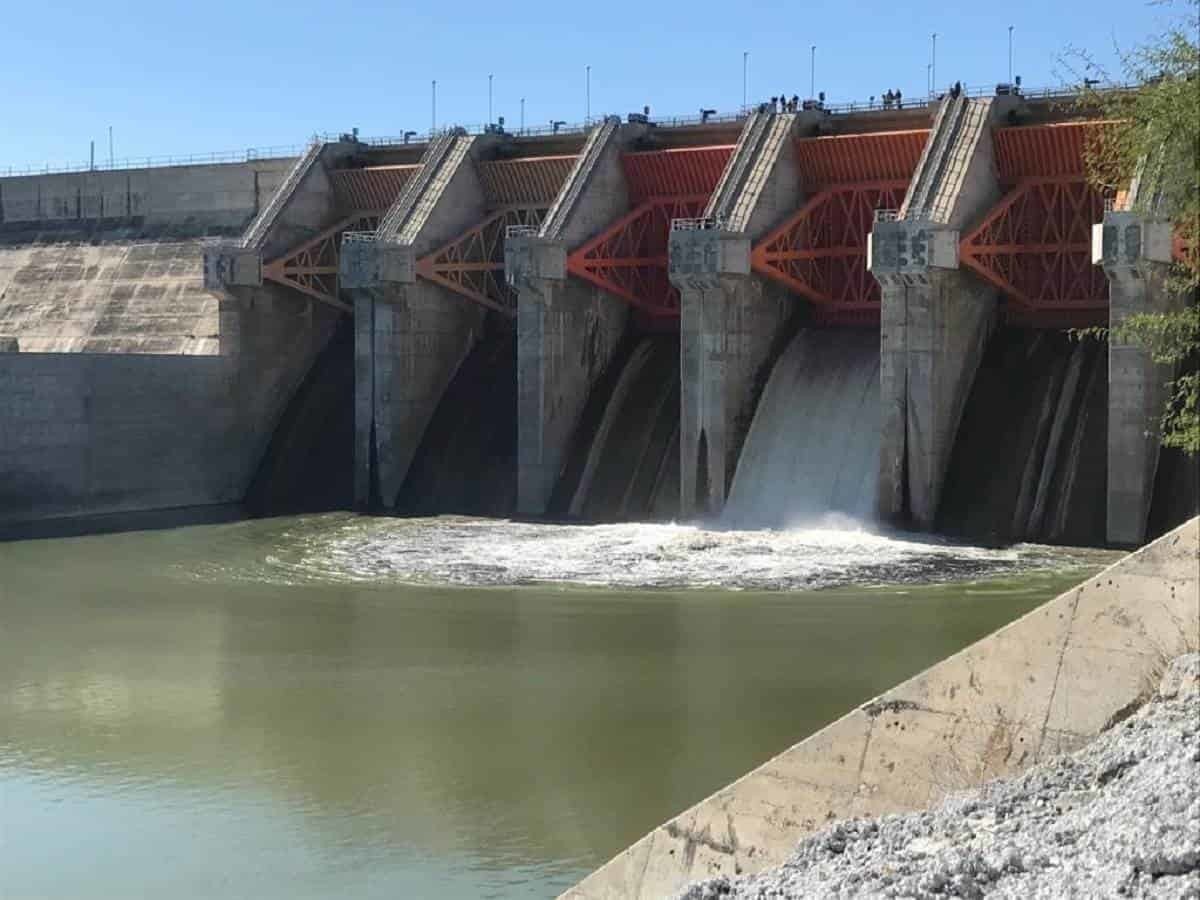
(813, 448)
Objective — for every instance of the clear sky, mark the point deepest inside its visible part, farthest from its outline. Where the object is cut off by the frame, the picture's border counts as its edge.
(173, 78)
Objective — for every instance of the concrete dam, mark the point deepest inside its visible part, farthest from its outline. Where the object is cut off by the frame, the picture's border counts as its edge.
(760, 319)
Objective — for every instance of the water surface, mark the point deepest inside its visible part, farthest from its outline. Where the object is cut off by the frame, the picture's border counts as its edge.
(342, 706)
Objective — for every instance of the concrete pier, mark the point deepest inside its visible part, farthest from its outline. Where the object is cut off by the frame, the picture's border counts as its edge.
(567, 329)
(1136, 254)
(730, 318)
(411, 334)
(935, 318)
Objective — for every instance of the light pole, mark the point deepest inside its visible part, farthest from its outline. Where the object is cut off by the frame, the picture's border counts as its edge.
(587, 95)
(745, 77)
(433, 125)
(490, 120)
(110, 141)
(812, 72)
(933, 65)
(522, 115)
(1010, 31)
(929, 78)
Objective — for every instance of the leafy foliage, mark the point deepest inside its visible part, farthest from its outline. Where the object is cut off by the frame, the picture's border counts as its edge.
(1153, 144)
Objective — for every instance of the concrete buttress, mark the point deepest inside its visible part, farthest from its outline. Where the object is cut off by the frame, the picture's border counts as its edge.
(411, 334)
(730, 318)
(935, 318)
(567, 330)
(1136, 254)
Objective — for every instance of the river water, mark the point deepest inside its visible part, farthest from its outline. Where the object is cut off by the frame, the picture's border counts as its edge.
(345, 706)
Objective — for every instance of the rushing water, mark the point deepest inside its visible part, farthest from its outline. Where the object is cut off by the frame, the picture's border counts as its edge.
(814, 443)
(343, 706)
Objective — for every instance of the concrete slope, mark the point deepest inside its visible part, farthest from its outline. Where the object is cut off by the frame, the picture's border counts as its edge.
(1041, 686)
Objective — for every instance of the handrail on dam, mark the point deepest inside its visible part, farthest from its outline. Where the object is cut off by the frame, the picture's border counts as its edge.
(280, 151)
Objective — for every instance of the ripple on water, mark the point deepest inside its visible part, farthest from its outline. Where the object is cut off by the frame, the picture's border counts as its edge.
(466, 551)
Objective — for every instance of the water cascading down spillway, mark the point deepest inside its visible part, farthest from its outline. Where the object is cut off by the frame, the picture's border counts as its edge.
(813, 447)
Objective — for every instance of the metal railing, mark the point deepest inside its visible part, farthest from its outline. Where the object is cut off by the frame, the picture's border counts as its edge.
(359, 237)
(281, 151)
(513, 231)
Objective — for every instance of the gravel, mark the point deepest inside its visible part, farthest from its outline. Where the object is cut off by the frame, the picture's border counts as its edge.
(1118, 818)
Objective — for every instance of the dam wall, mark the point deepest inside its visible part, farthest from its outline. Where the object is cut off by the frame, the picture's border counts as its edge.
(110, 262)
(1041, 686)
(128, 385)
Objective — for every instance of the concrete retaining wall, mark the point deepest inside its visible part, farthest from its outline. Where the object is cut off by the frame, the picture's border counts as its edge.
(96, 433)
(134, 388)
(110, 262)
(1041, 686)
(218, 195)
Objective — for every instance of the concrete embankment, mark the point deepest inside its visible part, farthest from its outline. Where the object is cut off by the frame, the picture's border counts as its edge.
(1121, 817)
(125, 386)
(1044, 685)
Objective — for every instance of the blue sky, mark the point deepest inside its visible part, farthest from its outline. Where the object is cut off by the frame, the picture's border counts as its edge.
(174, 78)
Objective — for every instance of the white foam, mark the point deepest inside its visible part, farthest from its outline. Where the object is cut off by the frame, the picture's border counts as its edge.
(462, 551)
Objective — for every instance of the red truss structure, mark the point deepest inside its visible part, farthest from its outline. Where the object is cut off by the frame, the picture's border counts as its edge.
(821, 251)
(629, 259)
(312, 267)
(1035, 246)
(472, 264)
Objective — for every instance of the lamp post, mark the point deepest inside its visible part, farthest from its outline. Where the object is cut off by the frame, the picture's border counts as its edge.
(522, 115)
(587, 95)
(490, 119)
(433, 124)
(745, 77)
(1010, 31)
(933, 65)
(812, 72)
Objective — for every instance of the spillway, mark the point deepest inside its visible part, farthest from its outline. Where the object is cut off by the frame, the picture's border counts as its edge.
(309, 463)
(625, 462)
(466, 462)
(813, 446)
(1029, 459)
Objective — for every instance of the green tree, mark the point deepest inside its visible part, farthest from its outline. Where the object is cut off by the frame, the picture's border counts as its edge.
(1154, 135)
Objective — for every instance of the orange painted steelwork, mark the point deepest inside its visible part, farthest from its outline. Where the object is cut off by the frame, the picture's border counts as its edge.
(472, 265)
(312, 267)
(821, 252)
(629, 259)
(1041, 151)
(373, 188)
(854, 158)
(534, 180)
(687, 172)
(1035, 246)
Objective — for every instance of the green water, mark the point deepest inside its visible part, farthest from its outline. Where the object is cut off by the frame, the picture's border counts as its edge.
(175, 721)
